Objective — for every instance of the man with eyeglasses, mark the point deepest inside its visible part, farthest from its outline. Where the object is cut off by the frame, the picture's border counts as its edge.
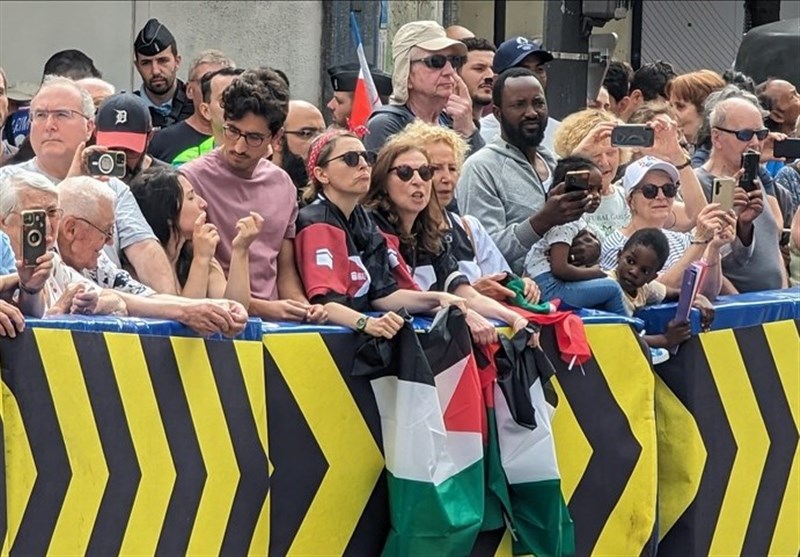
(426, 86)
(236, 178)
(303, 123)
(170, 143)
(61, 124)
(737, 125)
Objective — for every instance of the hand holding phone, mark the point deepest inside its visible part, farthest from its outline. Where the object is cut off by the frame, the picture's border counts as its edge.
(750, 162)
(723, 193)
(110, 163)
(633, 135)
(788, 148)
(577, 180)
(34, 232)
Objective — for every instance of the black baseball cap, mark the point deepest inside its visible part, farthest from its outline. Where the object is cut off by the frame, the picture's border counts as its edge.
(123, 121)
(345, 77)
(153, 38)
(515, 50)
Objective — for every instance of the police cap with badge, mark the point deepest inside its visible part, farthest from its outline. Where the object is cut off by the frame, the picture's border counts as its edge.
(153, 38)
(345, 77)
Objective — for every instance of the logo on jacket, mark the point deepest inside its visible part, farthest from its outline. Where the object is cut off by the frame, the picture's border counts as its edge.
(324, 258)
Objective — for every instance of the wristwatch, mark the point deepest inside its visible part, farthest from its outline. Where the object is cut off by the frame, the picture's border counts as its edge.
(361, 324)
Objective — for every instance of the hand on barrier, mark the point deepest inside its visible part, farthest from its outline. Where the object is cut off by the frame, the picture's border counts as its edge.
(677, 333)
(11, 320)
(482, 331)
(208, 317)
(247, 230)
(32, 279)
(706, 311)
(385, 326)
(446, 300)
(317, 314)
(238, 315)
(534, 329)
(65, 305)
(204, 238)
(84, 301)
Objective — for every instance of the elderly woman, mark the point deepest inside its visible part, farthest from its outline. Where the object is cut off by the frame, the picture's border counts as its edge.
(405, 209)
(588, 133)
(341, 255)
(650, 188)
(478, 257)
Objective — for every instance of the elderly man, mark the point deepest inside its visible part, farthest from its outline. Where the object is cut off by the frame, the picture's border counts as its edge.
(426, 86)
(737, 125)
(98, 89)
(303, 123)
(157, 60)
(50, 286)
(343, 82)
(61, 121)
(781, 99)
(171, 142)
(87, 225)
(505, 185)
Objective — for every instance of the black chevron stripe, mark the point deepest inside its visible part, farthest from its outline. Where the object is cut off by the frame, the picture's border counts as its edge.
(783, 438)
(488, 542)
(688, 376)
(184, 447)
(124, 473)
(615, 449)
(370, 533)
(24, 374)
(250, 456)
(299, 465)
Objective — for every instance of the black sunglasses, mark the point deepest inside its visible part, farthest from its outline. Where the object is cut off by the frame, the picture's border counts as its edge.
(405, 172)
(747, 135)
(351, 158)
(650, 191)
(439, 61)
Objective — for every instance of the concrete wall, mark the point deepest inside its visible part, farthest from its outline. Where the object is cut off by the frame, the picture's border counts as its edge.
(285, 35)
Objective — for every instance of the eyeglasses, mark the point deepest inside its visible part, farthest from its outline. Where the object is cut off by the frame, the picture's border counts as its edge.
(405, 172)
(109, 235)
(650, 191)
(305, 133)
(747, 135)
(53, 213)
(61, 115)
(252, 139)
(351, 158)
(439, 61)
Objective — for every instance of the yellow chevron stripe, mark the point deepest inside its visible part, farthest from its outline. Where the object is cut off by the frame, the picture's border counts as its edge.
(505, 549)
(573, 450)
(784, 342)
(251, 362)
(149, 441)
(681, 457)
(355, 463)
(78, 427)
(631, 522)
(19, 465)
(215, 445)
(750, 434)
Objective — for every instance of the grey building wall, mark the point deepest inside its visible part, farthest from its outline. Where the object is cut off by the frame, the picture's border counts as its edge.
(285, 35)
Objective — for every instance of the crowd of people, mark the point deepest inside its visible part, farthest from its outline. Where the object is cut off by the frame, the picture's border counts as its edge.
(234, 198)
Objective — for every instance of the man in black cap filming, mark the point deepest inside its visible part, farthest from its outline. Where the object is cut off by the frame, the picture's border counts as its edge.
(157, 61)
(343, 82)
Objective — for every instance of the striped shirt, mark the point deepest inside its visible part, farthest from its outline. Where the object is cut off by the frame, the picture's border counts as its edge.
(609, 251)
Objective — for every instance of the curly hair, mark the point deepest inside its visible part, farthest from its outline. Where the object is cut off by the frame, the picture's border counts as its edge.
(576, 126)
(421, 133)
(426, 230)
(250, 93)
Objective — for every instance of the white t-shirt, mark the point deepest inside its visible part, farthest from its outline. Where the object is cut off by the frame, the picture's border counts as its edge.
(63, 276)
(488, 259)
(536, 262)
(612, 214)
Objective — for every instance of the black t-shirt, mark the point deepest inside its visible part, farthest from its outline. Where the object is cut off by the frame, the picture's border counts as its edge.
(173, 140)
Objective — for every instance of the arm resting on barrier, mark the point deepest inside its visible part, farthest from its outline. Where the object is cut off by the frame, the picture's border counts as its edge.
(203, 316)
(152, 266)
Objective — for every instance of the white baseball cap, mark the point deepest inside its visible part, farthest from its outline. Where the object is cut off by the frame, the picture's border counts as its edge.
(638, 168)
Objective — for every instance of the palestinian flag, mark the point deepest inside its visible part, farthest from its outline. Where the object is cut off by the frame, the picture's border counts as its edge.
(522, 477)
(431, 412)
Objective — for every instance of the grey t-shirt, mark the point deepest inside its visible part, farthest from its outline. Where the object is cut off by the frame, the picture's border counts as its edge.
(131, 226)
(762, 270)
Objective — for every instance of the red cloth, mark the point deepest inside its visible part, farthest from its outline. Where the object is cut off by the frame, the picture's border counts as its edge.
(570, 333)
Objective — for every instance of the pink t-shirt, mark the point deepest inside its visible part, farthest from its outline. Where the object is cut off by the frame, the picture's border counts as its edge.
(268, 191)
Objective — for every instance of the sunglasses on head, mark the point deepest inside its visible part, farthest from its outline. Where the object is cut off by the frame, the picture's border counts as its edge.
(405, 172)
(747, 135)
(650, 191)
(439, 61)
(351, 158)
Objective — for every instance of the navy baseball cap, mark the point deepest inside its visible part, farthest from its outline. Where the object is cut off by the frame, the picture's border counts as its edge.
(123, 121)
(516, 49)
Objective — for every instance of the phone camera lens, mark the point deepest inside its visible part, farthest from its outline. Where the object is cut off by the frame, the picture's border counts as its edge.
(105, 163)
(34, 238)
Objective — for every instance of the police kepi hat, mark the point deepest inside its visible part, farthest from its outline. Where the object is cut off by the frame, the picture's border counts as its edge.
(153, 38)
(345, 77)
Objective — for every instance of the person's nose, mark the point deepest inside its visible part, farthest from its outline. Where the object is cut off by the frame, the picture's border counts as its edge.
(330, 104)
(241, 145)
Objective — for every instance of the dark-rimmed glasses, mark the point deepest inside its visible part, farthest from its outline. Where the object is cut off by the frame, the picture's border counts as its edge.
(406, 172)
(650, 191)
(746, 135)
(439, 61)
(109, 234)
(351, 158)
(232, 133)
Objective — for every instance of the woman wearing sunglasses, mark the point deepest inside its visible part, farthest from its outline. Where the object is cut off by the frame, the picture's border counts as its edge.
(650, 187)
(410, 218)
(340, 253)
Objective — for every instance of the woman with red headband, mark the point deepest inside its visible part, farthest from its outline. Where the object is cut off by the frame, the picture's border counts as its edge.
(340, 253)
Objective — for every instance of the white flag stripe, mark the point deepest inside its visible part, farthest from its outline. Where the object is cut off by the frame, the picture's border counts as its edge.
(366, 75)
(448, 380)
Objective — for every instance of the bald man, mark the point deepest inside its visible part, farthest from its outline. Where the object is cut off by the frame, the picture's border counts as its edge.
(459, 33)
(98, 89)
(303, 123)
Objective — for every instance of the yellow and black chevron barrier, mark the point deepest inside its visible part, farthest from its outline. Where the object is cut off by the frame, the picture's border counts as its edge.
(728, 408)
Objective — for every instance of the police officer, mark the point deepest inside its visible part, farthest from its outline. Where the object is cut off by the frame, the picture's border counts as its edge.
(343, 82)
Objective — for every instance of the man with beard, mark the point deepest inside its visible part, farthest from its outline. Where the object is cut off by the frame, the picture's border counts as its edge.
(303, 123)
(157, 61)
(123, 124)
(478, 74)
(505, 185)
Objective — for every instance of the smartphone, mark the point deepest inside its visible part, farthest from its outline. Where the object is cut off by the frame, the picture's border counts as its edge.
(110, 163)
(633, 135)
(723, 193)
(34, 230)
(577, 180)
(788, 148)
(750, 161)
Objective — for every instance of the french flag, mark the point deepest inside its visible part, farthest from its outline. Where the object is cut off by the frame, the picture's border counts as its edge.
(365, 97)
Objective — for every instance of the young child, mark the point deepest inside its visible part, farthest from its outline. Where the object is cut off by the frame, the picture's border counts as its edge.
(639, 262)
(549, 262)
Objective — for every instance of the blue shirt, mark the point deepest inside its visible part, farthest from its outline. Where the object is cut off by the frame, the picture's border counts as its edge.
(164, 108)
(7, 264)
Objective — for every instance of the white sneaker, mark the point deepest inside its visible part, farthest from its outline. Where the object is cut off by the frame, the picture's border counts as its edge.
(659, 355)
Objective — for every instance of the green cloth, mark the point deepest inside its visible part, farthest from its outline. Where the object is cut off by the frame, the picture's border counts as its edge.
(517, 285)
(194, 152)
